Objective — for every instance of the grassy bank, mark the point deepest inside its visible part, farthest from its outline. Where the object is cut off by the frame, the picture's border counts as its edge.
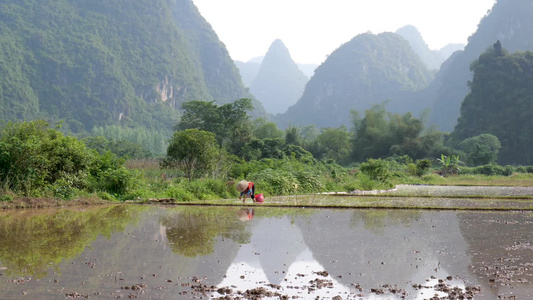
(280, 181)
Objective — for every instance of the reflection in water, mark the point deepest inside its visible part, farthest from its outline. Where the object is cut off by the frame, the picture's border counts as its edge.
(378, 220)
(246, 214)
(33, 241)
(193, 231)
(193, 252)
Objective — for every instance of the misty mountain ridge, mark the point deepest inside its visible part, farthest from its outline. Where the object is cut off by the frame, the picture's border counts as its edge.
(279, 82)
(511, 23)
(433, 59)
(250, 69)
(370, 69)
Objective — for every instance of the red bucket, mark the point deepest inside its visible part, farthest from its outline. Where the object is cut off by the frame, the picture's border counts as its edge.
(259, 198)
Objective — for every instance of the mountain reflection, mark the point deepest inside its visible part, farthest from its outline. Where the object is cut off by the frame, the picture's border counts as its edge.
(32, 241)
(191, 252)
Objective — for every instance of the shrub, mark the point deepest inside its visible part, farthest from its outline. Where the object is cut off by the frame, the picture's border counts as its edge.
(377, 169)
(309, 182)
(114, 181)
(219, 188)
(411, 169)
(521, 169)
(422, 166)
(366, 183)
(6, 198)
(275, 182)
(63, 189)
(508, 170)
(180, 194)
(33, 156)
(489, 170)
(108, 173)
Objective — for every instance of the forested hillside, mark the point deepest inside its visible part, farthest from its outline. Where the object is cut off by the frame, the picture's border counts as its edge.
(370, 69)
(501, 103)
(99, 63)
(511, 23)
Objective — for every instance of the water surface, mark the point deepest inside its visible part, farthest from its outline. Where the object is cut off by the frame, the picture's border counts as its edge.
(150, 252)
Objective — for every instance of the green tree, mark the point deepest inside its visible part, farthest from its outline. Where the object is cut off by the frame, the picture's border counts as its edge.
(267, 130)
(230, 122)
(309, 134)
(121, 148)
(499, 103)
(482, 149)
(194, 151)
(380, 134)
(292, 135)
(334, 143)
(372, 135)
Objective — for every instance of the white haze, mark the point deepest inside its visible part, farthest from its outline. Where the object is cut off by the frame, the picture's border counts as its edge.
(312, 29)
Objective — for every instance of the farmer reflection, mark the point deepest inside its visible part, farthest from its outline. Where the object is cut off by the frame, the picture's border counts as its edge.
(245, 214)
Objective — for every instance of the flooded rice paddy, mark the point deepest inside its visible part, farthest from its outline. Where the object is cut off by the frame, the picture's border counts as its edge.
(153, 252)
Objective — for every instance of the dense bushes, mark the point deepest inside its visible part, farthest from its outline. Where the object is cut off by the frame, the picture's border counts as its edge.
(494, 170)
(39, 161)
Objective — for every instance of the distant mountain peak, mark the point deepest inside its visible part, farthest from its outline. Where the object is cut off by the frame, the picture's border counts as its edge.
(279, 82)
(279, 52)
(432, 58)
(367, 70)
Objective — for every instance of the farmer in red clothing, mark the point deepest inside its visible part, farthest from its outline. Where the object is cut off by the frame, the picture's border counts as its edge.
(247, 189)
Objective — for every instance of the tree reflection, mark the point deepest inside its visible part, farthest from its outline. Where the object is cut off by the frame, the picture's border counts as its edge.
(379, 218)
(33, 241)
(193, 231)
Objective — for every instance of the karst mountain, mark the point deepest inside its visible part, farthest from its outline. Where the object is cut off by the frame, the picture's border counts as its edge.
(279, 82)
(97, 63)
(370, 69)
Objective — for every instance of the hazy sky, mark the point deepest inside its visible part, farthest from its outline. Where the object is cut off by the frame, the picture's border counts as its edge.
(312, 29)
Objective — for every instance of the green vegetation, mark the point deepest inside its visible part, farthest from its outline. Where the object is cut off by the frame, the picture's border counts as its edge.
(362, 72)
(380, 134)
(193, 231)
(193, 151)
(450, 87)
(36, 160)
(449, 164)
(217, 145)
(120, 70)
(499, 104)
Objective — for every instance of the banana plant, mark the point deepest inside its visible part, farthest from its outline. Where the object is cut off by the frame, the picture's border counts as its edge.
(449, 164)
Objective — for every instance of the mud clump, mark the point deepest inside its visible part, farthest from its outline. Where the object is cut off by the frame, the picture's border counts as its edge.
(76, 296)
